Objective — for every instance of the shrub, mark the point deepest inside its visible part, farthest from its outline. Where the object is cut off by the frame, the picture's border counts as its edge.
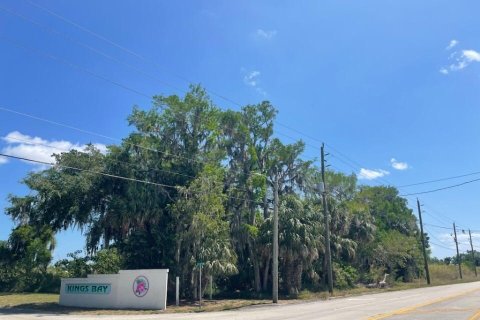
(344, 276)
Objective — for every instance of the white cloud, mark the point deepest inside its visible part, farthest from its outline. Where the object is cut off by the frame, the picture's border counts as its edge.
(471, 55)
(368, 174)
(398, 165)
(3, 160)
(266, 34)
(452, 44)
(36, 148)
(252, 78)
(462, 59)
(447, 239)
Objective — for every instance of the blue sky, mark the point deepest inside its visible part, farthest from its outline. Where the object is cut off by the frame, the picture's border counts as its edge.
(376, 80)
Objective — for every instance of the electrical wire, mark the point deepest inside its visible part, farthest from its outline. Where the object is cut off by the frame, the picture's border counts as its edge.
(28, 142)
(78, 67)
(149, 61)
(441, 179)
(143, 58)
(439, 215)
(87, 170)
(437, 226)
(69, 38)
(105, 174)
(442, 246)
(440, 189)
(431, 215)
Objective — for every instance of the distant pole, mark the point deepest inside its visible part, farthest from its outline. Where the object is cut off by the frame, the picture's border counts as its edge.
(275, 243)
(423, 242)
(211, 287)
(200, 285)
(177, 291)
(458, 254)
(328, 255)
(473, 253)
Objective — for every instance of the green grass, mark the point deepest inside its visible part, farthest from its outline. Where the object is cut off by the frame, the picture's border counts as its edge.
(9, 299)
(445, 274)
(48, 303)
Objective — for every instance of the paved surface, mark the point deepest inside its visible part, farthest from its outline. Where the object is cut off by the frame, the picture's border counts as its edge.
(461, 301)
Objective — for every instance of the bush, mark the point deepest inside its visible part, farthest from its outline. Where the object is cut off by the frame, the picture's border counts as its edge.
(344, 276)
(107, 261)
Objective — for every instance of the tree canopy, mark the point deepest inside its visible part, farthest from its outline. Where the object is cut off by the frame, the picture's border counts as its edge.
(210, 200)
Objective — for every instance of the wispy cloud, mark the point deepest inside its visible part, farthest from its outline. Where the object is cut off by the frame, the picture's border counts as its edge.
(371, 174)
(453, 43)
(265, 34)
(252, 79)
(460, 59)
(397, 165)
(25, 146)
(447, 239)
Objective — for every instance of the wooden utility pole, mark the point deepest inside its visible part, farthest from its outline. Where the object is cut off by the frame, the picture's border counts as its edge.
(458, 254)
(427, 272)
(328, 255)
(275, 243)
(200, 285)
(473, 253)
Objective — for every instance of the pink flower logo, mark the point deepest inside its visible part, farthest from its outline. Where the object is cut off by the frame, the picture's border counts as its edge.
(140, 286)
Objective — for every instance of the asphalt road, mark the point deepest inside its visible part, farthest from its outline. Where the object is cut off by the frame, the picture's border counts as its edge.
(460, 301)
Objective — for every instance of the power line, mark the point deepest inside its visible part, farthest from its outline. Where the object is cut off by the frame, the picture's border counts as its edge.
(86, 153)
(78, 67)
(69, 38)
(87, 170)
(438, 180)
(352, 163)
(146, 95)
(145, 59)
(92, 133)
(435, 217)
(105, 174)
(117, 161)
(141, 57)
(442, 246)
(437, 226)
(90, 48)
(440, 189)
(446, 218)
(431, 234)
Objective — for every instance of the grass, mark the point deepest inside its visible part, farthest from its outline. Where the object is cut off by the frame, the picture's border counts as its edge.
(48, 303)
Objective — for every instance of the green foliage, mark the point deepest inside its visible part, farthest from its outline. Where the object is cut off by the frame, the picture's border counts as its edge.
(345, 276)
(107, 261)
(24, 258)
(75, 266)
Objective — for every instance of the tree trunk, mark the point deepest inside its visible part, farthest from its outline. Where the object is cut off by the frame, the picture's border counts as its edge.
(256, 265)
(194, 286)
(324, 271)
(266, 271)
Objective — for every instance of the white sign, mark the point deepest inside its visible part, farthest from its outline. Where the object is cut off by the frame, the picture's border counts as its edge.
(129, 289)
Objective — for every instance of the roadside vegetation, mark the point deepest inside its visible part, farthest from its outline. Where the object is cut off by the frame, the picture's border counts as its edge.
(211, 175)
(48, 302)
